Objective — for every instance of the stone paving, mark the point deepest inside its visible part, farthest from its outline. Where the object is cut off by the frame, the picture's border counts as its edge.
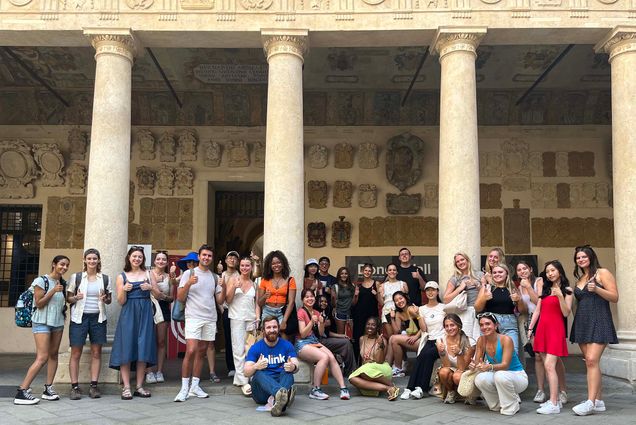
(227, 406)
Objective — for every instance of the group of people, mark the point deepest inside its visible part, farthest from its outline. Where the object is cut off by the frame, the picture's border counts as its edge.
(482, 324)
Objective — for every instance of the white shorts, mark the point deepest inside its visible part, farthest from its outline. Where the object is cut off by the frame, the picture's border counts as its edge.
(203, 330)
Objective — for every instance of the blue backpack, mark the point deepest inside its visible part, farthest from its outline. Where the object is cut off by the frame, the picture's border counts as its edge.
(24, 306)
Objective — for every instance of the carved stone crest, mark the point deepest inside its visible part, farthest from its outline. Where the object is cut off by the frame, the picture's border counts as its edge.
(77, 142)
(51, 162)
(184, 179)
(146, 179)
(146, 144)
(316, 235)
(343, 155)
(259, 154)
(342, 193)
(368, 156)
(256, 4)
(212, 154)
(317, 193)
(188, 145)
(76, 175)
(341, 233)
(404, 160)
(239, 154)
(17, 170)
(367, 196)
(403, 203)
(165, 180)
(139, 4)
(318, 156)
(516, 166)
(167, 149)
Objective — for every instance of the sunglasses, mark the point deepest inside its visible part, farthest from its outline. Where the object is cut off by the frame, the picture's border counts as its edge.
(137, 248)
(487, 314)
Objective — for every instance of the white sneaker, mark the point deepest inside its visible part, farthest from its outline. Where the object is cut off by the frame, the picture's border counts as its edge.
(417, 393)
(183, 395)
(151, 378)
(159, 377)
(539, 397)
(406, 394)
(549, 409)
(585, 408)
(563, 397)
(196, 391)
(599, 406)
(231, 374)
(546, 402)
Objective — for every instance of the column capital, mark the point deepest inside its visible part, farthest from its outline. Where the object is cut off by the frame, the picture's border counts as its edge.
(619, 40)
(287, 41)
(450, 39)
(117, 41)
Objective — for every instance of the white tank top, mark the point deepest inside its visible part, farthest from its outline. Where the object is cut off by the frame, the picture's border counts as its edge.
(242, 306)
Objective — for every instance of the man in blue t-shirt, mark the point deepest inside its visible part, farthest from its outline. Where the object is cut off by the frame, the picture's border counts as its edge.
(271, 362)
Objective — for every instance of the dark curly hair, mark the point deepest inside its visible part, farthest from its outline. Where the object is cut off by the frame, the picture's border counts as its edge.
(267, 265)
(594, 264)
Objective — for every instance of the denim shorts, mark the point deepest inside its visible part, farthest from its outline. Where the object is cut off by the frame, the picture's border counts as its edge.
(301, 343)
(40, 328)
(276, 312)
(343, 316)
(91, 327)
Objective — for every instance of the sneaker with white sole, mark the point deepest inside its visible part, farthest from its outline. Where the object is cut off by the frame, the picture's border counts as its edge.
(151, 378)
(344, 394)
(291, 396)
(24, 397)
(417, 393)
(280, 402)
(196, 391)
(159, 377)
(183, 395)
(406, 394)
(546, 402)
(563, 397)
(317, 394)
(599, 406)
(549, 409)
(49, 393)
(450, 397)
(584, 408)
(539, 397)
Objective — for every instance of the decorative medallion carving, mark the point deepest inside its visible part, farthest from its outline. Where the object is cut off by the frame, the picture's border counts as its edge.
(76, 175)
(343, 153)
(259, 154)
(212, 154)
(17, 170)
(367, 196)
(167, 147)
(404, 160)
(146, 179)
(373, 2)
(140, 4)
(239, 154)
(341, 233)
(187, 143)
(368, 156)
(318, 156)
(317, 235)
(78, 143)
(256, 4)
(516, 170)
(342, 194)
(51, 163)
(184, 180)
(403, 203)
(165, 180)
(146, 144)
(317, 193)
(20, 3)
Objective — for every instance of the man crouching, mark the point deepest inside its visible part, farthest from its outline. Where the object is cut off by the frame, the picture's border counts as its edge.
(271, 362)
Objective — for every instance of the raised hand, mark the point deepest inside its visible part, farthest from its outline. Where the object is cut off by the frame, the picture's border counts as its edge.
(261, 363)
(79, 295)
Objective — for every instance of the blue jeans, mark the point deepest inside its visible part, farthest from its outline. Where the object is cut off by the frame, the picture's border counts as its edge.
(509, 326)
(265, 384)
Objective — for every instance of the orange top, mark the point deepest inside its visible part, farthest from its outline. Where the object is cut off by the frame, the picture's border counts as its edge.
(278, 295)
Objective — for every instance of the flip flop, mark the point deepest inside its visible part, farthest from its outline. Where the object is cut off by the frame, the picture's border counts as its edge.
(246, 390)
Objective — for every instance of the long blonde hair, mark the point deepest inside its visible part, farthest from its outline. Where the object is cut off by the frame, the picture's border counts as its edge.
(509, 284)
(458, 273)
(502, 258)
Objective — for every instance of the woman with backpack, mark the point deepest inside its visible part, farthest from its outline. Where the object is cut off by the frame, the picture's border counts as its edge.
(88, 293)
(48, 326)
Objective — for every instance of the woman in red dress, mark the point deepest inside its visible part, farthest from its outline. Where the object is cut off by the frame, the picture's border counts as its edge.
(554, 305)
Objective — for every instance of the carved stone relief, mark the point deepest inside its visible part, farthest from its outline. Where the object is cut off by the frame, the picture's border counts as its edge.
(517, 230)
(544, 195)
(368, 156)
(341, 233)
(146, 179)
(343, 155)
(51, 162)
(256, 4)
(239, 154)
(402, 230)
(490, 164)
(569, 232)
(165, 180)
(367, 195)
(65, 221)
(516, 171)
(576, 195)
(491, 231)
(403, 203)
(76, 175)
(535, 162)
(317, 235)
(549, 164)
(490, 196)
(167, 148)
(588, 193)
(78, 143)
(603, 195)
(140, 4)
(581, 164)
(318, 156)
(259, 154)
(404, 160)
(317, 193)
(562, 166)
(431, 195)
(342, 194)
(187, 142)
(184, 180)
(212, 154)
(146, 144)
(165, 223)
(17, 170)
(563, 195)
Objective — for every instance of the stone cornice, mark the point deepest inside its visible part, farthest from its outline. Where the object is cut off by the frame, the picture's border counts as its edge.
(449, 40)
(112, 41)
(292, 42)
(620, 40)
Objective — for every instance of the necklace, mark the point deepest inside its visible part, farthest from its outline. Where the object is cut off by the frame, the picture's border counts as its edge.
(368, 352)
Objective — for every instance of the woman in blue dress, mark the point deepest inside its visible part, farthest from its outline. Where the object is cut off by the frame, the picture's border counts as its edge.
(134, 347)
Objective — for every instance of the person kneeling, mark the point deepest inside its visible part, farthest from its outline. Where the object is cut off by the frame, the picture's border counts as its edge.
(271, 363)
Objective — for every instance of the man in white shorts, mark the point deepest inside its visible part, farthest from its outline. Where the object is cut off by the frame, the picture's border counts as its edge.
(201, 291)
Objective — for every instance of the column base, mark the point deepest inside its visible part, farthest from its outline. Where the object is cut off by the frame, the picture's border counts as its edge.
(106, 374)
(619, 361)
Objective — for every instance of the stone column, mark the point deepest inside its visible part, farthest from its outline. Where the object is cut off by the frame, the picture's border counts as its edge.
(458, 147)
(284, 221)
(620, 359)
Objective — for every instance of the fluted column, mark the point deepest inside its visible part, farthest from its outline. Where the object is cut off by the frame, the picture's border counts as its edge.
(620, 359)
(284, 220)
(458, 146)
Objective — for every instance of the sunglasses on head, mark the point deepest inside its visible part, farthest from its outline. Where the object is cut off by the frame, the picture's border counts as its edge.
(487, 314)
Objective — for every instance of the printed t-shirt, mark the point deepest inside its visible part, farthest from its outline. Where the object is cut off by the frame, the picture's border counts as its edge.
(276, 356)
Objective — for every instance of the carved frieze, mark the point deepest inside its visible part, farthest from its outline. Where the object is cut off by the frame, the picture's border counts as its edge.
(143, 4)
(342, 194)
(341, 233)
(51, 162)
(65, 220)
(187, 143)
(212, 154)
(317, 235)
(535, 163)
(256, 4)
(76, 175)
(239, 155)
(259, 154)
(403, 203)
(343, 153)
(490, 196)
(394, 230)
(516, 176)
(404, 160)
(184, 180)
(318, 156)
(146, 144)
(367, 195)
(165, 180)
(569, 232)
(146, 179)
(431, 195)
(317, 193)
(78, 143)
(17, 169)
(561, 164)
(167, 147)
(581, 164)
(368, 155)
(165, 223)
(603, 195)
(490, 164)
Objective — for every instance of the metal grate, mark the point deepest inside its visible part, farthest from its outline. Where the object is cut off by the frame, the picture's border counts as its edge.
(20, 230)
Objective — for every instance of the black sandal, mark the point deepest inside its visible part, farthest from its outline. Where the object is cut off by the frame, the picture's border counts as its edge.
(141, 392)
(125, 394)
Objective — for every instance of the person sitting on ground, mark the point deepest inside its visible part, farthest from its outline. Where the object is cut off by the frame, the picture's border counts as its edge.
(456, 353)
(271, 363)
